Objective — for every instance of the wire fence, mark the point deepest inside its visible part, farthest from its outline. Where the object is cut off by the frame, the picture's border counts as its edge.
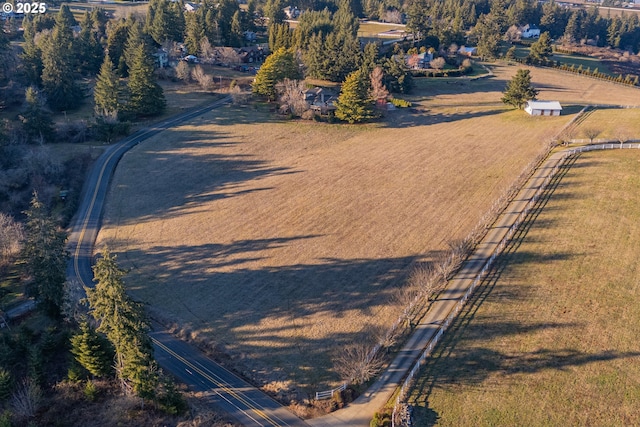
(408, 382)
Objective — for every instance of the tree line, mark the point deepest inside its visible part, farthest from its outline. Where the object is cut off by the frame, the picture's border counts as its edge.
(105, 334)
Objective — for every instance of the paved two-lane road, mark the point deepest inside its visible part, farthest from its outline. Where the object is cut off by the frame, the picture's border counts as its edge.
(245, 403)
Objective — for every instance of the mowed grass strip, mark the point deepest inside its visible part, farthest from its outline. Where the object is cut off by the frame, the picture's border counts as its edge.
(551, 339)
(284, 241)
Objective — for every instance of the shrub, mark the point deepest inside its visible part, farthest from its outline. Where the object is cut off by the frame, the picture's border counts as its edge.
(400, 103)
(90, 391)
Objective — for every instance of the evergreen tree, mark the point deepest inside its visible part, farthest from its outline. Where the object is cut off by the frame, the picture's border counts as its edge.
(165, 21)
(397, 77)
(487, 30)
(274, 11)
(225, 11)
(45, 257)
(252, 7)
(314, 57)
(31, 52)
(107, 90)
(100, 19)
(145, 96)
(92, 351)
(59, 63)
(124, 323)
(354, 104)
(279, 65)
(6, 384)
(36, 120)
(235, 36)
(135, 38)
(279, 36)
(519, 90)
(89, 48)
(370, 57)
(541, 49)
(118, 33)
(194, 32)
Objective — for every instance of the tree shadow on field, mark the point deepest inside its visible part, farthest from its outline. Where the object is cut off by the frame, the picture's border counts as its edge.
(422, 117)
(291, 318)
(433, 86)
(201, 167)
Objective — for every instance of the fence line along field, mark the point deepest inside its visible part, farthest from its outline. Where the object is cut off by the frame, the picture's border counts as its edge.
(283, 241)
(551, 338)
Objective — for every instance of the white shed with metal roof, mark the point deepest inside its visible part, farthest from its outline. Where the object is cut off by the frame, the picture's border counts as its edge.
(543, 108)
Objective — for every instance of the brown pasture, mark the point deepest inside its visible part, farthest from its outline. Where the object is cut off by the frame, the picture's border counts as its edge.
(282, 241)
(551, 337)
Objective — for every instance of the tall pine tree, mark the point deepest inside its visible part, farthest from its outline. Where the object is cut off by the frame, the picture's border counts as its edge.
(519, 90)
(45, 257)
(279, 65)
(145, 96)
(92, 351)
(354, 105)
(126, 326)
(59, 64)
(107, 90)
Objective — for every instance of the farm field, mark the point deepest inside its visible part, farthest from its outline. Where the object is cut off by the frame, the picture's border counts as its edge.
(283, 241)
(568, 88)
(612, 123)
(550, 338)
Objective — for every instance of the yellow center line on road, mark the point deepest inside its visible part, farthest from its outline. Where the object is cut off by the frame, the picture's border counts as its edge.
(140, 137)
(251, 405)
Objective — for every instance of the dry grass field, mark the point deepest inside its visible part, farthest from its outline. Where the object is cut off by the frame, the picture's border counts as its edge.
(283, 241)
(552, 338)
(612, 123)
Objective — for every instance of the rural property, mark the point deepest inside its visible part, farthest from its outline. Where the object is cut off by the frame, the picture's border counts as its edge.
(280, 242)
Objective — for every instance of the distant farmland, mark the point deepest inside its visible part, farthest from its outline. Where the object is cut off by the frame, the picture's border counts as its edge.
(282, 241)
(551, 338)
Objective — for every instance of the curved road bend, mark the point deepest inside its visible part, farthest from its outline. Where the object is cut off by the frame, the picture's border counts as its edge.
(245, 403)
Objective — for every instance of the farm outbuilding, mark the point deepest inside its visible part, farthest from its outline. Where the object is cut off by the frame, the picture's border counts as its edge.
(543, 108)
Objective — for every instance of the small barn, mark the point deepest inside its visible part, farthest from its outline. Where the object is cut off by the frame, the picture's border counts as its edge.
(543, 108)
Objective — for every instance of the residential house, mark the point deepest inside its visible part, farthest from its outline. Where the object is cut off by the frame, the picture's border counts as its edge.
(161, 57)
(543, 108)
(191, 7)
(529, 32)
(419, 61)
(292, 12)
(468, 51)
(321, 100)
(251, 54)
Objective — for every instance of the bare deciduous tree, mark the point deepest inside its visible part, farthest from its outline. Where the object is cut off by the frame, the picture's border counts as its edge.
(591, 133)
(621, 135)
(512, 34)
(26, 399)
(207, 52)
(204, 80)
(11, 237)
(72, 301)
(183, 71)
(238, 96)
(228, 55)
(357, 364)
(393, 16)
(379, 91)
(437, 63)
(292, 96)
